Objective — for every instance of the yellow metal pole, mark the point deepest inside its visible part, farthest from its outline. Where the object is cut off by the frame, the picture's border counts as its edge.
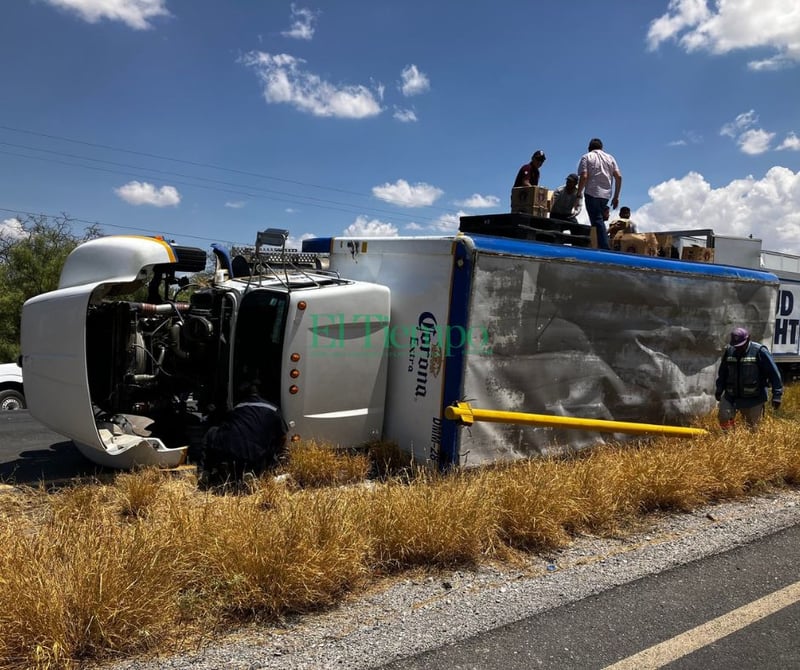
(467, 415)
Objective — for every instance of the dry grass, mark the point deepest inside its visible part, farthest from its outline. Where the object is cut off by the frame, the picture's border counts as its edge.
(313, 465)
(107, 570)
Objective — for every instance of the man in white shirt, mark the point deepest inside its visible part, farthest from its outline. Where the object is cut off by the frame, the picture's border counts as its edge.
(598, 172)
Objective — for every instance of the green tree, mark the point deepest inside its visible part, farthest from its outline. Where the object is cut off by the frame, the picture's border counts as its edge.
(32, 253)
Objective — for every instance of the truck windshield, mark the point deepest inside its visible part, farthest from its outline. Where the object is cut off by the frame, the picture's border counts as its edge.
(258, 343)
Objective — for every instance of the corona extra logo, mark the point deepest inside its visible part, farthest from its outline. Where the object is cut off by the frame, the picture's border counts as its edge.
(423, 344)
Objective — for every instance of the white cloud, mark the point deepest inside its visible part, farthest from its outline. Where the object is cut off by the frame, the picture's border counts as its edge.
(751, 140)
(755, 141)
(447, 223)
(285, 81)
(478, 201)
(682, 14)
(414, 82)
(792, 142)
(404, 115)
(303, 21)
(689, 137)
(742, 122)
(293, 242)
(778, 62)
(363, 227)
(12, 229)
(767, 208)
(235, 204)
(143, 193)
(406, 195)
(732, 25)
(135, 14)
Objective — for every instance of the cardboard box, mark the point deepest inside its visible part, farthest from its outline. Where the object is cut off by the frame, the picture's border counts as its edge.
(699, 254)
(665, 249)
(644, 244)
(525, 198)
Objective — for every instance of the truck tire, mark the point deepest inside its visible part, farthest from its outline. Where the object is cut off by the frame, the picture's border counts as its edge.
(11, 400)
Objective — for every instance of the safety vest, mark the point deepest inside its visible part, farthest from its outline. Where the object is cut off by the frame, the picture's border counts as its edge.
(744, 376)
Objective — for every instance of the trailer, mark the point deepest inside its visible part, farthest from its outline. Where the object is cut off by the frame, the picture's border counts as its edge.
(786, 339)
(513, 323)
(748, 252)
(364, 338)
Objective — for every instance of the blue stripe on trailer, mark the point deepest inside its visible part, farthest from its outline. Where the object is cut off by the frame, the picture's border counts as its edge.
(454, 361)
(530, 249)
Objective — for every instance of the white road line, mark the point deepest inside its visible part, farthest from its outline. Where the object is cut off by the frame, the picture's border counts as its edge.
(670, 650)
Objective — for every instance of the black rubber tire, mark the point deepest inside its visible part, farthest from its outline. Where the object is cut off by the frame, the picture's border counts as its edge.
(11, 400)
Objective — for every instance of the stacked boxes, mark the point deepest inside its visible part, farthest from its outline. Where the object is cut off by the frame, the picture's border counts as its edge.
(699, 254)
(645, 244)
(530, 200)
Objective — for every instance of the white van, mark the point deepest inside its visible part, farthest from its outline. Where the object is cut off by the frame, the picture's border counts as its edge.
(12, 395)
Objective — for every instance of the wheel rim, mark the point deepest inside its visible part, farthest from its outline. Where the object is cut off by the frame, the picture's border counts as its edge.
(10, 405)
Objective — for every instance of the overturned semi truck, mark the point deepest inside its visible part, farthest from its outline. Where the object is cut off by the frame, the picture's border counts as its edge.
(365, 338)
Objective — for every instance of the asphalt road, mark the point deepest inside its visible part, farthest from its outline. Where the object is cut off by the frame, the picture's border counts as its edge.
(702, 615)
(30, 453)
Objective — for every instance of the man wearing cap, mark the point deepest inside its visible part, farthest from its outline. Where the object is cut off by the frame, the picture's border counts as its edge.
(528, 174)
(566, 205)
(744, 373)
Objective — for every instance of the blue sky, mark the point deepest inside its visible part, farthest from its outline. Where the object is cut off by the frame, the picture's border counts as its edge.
(209, 120)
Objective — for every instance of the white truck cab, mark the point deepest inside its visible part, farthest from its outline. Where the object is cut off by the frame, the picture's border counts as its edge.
(129, 360)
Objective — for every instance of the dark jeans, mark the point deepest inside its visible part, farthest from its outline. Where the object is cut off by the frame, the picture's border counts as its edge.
(594, 208)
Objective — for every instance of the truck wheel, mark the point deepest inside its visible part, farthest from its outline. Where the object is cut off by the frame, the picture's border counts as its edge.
(11, 400)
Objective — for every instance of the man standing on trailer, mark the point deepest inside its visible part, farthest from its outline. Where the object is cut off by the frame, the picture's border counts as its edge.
(528, 174)
(598, 172)
(744, 373)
